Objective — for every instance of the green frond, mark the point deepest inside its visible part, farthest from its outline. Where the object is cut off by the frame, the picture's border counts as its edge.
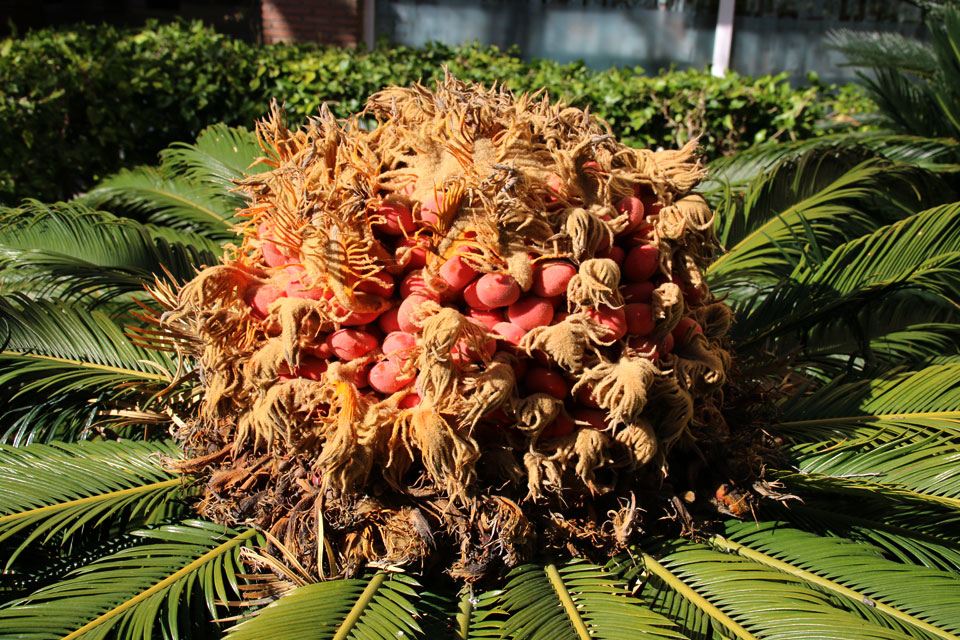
(59, 335)
(64, 363)
(744, 599)
(52, 492)
(796, 209)
(916, 541)
(928, 155)
(381, 606)
(908, 105)
(918, 601)
(883, 50)
(905, 328)
(220, 155)
(894, 504)
(578, 601)
(920, 252)
(131, 593)
(69, 250)
(901, 429)
(149, 195)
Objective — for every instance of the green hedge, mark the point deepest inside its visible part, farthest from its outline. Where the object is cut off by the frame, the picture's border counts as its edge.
(77, 104)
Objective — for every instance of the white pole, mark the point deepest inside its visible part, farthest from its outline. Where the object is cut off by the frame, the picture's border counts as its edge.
(723, 39)
(368, 14)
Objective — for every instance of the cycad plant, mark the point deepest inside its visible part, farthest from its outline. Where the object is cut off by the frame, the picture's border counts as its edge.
(842, 268)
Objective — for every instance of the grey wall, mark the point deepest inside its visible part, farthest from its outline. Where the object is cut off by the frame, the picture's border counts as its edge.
(769, 35)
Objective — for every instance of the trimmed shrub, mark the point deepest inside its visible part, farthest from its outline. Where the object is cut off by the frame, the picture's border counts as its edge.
(77, 104)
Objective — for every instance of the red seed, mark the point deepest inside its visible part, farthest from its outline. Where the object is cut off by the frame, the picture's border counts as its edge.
(409, 401)
(666, 345)
(353, 318)
(555, 183)
(638, 291)
(540, 380)
(692, 295)
(321, 349)
(497, 290)
(311, 367)
(509, 332)
(614, 320)
(551, 278)
(398, 218)
(398, 341)
(457, 273)
(633, 207)
(559, 317)
(273, 256)
(412, 252)
(464, 353)
(399, 347)
(388, 322)
(685, 330)
(651, 206)
(380, 284)
(530, 311)
(486, 318)
(413, 282)
(640, 320)
(472, 299)
(642, 262)
(562, 426)
(593, 417)
(585, 397)
(350, 344)
(386, 377)
(406, 314)
(645, 347)
(430, 210)
(260, 296)
(520, 367)
(614, 253)
(296, 289)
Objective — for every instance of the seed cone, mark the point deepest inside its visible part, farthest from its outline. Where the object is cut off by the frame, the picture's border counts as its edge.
(367, 369)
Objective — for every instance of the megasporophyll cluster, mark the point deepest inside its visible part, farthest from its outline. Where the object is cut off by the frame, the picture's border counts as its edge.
(461, 327)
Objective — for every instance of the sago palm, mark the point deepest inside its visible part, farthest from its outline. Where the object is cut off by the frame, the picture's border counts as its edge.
(841, 264)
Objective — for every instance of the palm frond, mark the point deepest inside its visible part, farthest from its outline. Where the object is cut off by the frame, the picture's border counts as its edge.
(740, 598)
(908, 104)
(929, 155)
(70, 364)
(131, 593)
(915, 541)
(69, 250)
(905, 328)
(920, 252)
(883, 50)
(51, 492)
(901, 429)
(220, 155)
(798, 208)
(378, 607)
(915, 600)
(147, 194)
(63, 335)
(575, 600)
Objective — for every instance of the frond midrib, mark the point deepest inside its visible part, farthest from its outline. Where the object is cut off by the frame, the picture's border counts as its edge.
(824, 583)
(102, 497)
(88, 365)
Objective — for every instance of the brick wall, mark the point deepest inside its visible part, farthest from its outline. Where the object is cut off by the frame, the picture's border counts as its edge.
(337, 22)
